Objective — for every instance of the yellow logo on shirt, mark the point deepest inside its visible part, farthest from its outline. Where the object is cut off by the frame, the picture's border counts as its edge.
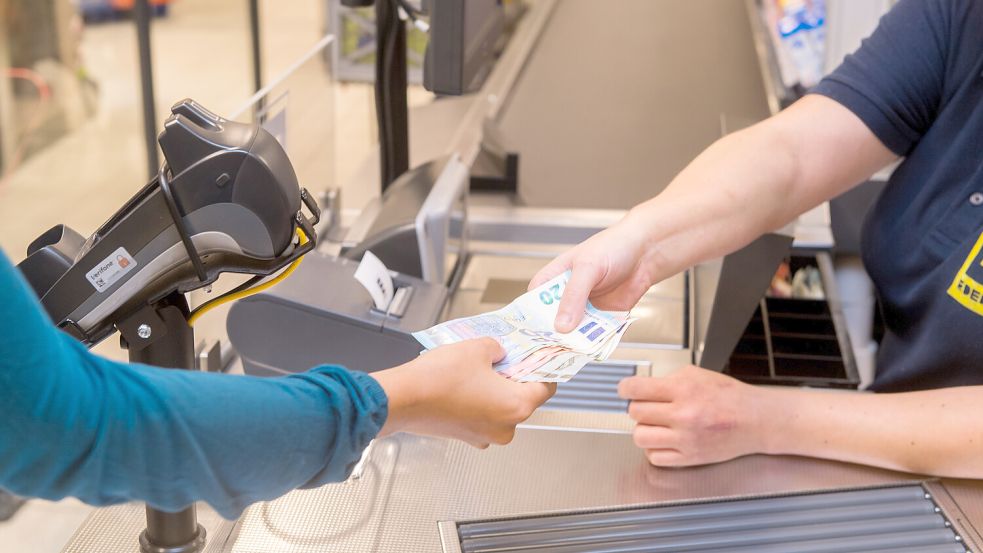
(967, 287)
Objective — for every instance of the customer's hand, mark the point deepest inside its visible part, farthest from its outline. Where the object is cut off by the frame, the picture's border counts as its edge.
(453, 392)
(694, 417)
(611, 267)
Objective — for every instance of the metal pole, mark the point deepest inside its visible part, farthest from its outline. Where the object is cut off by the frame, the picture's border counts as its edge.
(171, 532)
(254, 35)
(390, 93)
(141, 15)
(8, 134)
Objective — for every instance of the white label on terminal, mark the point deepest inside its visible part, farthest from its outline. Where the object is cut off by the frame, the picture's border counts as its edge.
(374, 276)
(111, 269)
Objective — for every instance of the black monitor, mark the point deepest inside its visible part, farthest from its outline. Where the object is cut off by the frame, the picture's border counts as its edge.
(464, 35)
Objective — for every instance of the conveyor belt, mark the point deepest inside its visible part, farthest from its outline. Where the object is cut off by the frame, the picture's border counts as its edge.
(895, 519)
(618, 97)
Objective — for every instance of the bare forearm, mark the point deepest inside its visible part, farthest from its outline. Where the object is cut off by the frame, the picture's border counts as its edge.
(723, 200)
(742, 186)
(937, 432)
(754, 181)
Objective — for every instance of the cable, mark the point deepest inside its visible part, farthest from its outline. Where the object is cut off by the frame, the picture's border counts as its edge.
(246, 285)
(246, 289)
(243, 290)
(390, 26)
(388, 54)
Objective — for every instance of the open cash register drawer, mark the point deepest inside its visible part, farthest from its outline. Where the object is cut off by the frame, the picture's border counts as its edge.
(797, 335)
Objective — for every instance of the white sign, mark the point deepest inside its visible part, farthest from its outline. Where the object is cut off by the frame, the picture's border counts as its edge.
(374, 276)
(111, 269)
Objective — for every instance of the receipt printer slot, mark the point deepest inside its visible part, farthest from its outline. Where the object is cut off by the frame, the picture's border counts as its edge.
(401, 300)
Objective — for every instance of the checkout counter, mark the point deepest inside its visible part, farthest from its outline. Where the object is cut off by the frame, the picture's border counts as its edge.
(572, 480)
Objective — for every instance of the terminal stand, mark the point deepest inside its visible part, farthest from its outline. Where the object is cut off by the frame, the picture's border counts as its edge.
(161, 336)
(227, 201)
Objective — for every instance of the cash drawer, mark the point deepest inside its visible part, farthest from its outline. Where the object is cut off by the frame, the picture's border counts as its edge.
(797, 341)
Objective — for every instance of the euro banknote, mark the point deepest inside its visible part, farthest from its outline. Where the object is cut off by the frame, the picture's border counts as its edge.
(534, 350)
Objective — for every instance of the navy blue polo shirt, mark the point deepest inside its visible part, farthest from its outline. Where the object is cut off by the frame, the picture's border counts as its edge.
(917, 82)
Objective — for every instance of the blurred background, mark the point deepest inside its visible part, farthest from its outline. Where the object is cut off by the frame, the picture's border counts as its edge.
(71, 114)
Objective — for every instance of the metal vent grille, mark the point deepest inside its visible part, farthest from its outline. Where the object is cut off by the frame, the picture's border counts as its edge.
(897, 519)
(595, 388)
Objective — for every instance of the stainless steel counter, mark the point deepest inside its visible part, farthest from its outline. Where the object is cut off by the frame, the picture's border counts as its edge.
(412, 484)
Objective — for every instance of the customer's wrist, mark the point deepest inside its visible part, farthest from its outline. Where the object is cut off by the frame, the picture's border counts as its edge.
(403, 395)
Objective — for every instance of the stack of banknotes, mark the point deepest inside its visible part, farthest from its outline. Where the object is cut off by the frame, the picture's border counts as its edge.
(534, 350)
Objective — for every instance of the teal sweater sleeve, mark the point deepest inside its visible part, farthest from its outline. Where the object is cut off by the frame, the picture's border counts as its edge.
(75, 424)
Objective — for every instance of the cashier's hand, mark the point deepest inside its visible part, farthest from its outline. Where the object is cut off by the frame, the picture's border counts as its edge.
(453, 392)
(612, 268)
(693, 417)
